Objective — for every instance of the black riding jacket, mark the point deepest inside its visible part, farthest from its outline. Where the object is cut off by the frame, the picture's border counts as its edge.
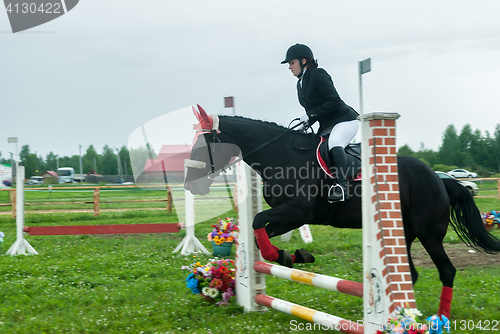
(321, 100)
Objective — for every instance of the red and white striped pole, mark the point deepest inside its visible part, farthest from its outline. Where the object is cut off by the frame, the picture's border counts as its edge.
(318, 280)
(325, 320)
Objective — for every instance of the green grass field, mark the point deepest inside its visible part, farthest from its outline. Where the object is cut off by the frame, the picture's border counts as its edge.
(487, 188)
(134, 284)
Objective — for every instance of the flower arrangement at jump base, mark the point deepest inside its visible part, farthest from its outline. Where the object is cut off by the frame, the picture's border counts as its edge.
(405, 321)
(225, 230)
(490, 219)
(223, 236)
(214, 280)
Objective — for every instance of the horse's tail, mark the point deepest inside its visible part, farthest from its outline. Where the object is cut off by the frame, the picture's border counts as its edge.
(466, 219)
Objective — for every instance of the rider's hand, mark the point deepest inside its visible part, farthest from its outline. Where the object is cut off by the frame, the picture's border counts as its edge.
(301, 128)
(305, 120)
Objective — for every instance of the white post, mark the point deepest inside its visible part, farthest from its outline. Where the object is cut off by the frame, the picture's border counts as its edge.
(286, 236)
(21, 246)
(305, 233)
(364, 67)
(81, 170)
(248, 281)
(360, 90)
(190, 244)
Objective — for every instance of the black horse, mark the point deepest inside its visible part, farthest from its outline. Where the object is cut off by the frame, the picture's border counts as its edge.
(296, 190)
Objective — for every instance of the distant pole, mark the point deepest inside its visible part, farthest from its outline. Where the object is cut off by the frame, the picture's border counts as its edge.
(81, 171)
(12, 169)
(118, 162)
(229, 103)
(364, 67)
(14, 140)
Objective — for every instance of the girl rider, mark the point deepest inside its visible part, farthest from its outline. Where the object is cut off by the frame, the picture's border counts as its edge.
(322, 103)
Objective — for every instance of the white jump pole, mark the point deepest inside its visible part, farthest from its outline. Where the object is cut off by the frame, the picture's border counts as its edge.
(21, 246)
(190, 244)
(305, 234)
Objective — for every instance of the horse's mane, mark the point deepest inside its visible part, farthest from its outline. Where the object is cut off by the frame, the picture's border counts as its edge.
(272, 126)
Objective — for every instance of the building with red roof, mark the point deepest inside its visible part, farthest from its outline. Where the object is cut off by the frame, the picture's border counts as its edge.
(171, 161)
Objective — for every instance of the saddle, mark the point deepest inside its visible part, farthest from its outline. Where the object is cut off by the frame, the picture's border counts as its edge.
(353, 154)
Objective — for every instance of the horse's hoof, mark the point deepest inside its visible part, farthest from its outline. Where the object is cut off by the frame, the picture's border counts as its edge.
(303, 256)
(284, 258)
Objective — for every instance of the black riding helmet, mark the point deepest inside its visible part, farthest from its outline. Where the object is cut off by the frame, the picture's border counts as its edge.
(298, 51)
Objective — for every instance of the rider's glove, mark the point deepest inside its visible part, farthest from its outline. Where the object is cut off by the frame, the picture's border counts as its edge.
(304, 123)
(304, 119)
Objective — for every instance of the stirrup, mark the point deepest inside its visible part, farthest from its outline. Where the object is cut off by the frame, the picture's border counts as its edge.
(333, 196)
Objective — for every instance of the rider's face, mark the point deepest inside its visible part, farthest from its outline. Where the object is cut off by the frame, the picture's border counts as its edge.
(294, 66)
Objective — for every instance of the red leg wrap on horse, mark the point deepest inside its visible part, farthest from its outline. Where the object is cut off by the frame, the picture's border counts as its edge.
(445, 302)
(266, 248)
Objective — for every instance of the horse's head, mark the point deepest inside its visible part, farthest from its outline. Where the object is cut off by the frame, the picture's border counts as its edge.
(209, 155)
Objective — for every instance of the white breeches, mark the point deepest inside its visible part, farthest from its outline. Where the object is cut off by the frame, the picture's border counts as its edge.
(342, 134)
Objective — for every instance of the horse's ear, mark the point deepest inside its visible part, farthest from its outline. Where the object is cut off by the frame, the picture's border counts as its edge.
(205, 121)
(204, 114)
(202, 111)
(196, 114)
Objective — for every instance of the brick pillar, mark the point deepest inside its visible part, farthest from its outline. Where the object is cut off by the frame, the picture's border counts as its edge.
(388, 282)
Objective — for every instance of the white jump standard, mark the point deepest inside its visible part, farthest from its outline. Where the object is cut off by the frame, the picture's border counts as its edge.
(21, 245)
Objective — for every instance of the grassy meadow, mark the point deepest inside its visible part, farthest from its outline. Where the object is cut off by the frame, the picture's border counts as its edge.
(134, 284)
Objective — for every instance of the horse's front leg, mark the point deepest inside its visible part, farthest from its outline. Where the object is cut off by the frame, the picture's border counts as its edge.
(289, 213)
(301, 255)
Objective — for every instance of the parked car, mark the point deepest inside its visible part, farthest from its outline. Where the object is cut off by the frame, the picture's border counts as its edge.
(35, 180)
(457, 173)
(471, 186)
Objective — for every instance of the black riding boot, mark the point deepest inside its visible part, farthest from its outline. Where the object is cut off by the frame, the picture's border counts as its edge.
(338, 192)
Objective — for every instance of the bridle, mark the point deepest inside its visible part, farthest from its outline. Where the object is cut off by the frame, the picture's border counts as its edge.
(212, 174)
(215, 140)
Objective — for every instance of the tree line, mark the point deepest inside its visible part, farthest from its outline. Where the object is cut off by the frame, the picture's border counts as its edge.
(469, 150)
(109, 162)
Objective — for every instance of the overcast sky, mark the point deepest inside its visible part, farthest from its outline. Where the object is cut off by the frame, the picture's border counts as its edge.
(96, 74)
